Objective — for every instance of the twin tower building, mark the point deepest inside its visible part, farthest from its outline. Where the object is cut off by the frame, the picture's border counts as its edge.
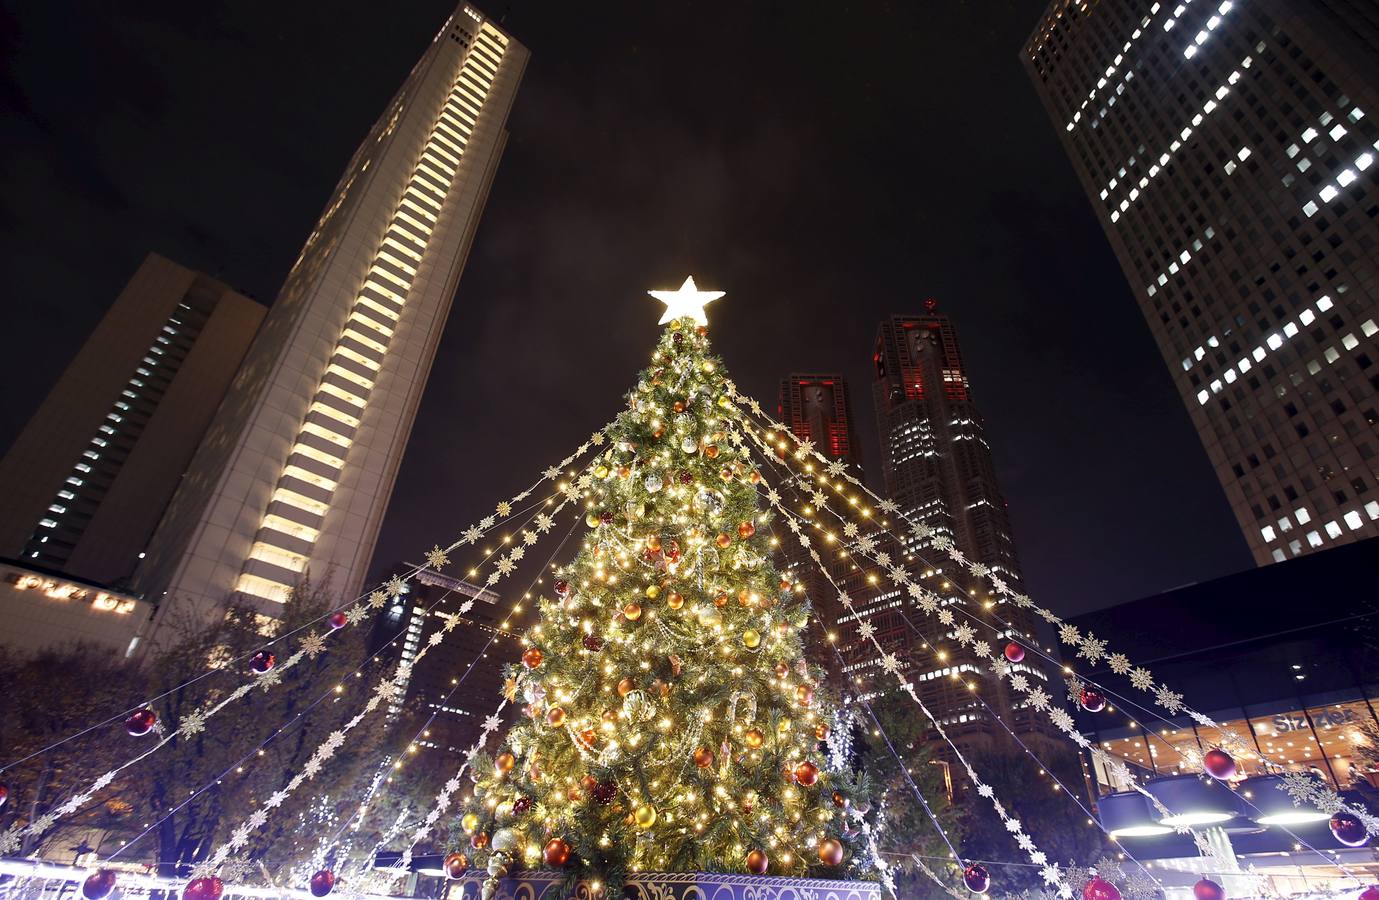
(201, 448)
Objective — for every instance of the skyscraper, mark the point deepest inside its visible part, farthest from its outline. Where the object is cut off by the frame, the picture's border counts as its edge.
(86, 481)
(818, 407)
(939, 471)
(1228, 148)
(937, 463)
(295, 475)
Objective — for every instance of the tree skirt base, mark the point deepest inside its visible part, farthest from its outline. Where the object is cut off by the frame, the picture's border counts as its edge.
(676, 886)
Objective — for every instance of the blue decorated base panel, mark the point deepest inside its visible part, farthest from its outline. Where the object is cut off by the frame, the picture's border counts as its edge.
(677, 886)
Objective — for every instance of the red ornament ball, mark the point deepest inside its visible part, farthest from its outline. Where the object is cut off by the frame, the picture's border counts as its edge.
(262, 661)
(604, 792)
(338, 620)
(479, 841)
(532, 657)
(203, 889)
(806, 773)
(98, 884)
(1218, 763)
(141, 722)
(1100, 889)
(1014, 652)
(1349, 830)
(455, 864)
(1206, 889)
(322, 882)
(562, 588)
(557, 853)
(977, 878)
(757, 862)
(830, 851)
(592, 642)
(746, 530)
(1092, 699)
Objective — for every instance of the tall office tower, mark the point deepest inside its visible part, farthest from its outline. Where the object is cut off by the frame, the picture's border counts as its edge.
(1228, 147)
(938, 466)
(296, 473)
(939, 471)
(818, 407)
(87, 479)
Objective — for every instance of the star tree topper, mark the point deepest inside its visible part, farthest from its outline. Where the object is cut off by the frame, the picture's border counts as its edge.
(687, 301)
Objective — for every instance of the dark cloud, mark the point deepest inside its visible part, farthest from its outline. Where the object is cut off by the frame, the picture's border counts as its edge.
(825, 166)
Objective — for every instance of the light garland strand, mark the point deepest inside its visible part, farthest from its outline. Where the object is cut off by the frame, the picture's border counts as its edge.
(1093, 649)
(930, 603)
(1050, 871)
(436, 558)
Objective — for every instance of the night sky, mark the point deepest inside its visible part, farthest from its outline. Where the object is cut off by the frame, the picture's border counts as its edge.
(825, 170)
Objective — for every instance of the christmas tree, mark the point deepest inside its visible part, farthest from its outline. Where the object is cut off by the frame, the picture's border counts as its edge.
(671, 721)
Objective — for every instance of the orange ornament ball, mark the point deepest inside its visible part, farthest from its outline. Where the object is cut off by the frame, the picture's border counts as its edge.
(626, 686)
(532, 657)
(590, 736)
(588, 783)
(754, 738)
(830, 852)
(479, 841)
(723, 541)
(703, 757)
(839, 800)
(757, 863)
(455, 864)
(754, 477)
(821, 731)
(806, 773)
(556, 717)
(782, 669)
(746, 530)
(504, 763)
(632, 611)
(720, 601)
(711, 451)
(804, 695)
(557, 853)
(653, 543)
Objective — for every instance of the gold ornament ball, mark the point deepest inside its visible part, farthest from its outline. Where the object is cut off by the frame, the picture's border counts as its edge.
(556, 717)
(703, 757)
(804, 695)
(633, 611)
(624, 471)
(557, 853)
(746, 530)
(754, 738)
(783, 726)
(653, 591)
(725, 473)
(782, 669)
(757, 862)
(626, 686)
(723, 541)
(600, 471)
(592, 520)
(831, 852)
(504, 763)
(644, 817)
(470, 823)
(675, 600)
(751, 638)
(821, 731)
(711, 450)
(710, 617)
(653, 543)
